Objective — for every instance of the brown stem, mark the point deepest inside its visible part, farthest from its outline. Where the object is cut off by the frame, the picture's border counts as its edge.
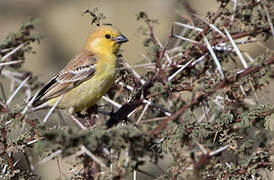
(201, 96)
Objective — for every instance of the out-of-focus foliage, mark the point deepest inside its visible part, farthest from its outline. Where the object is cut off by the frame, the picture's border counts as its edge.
(195, 103)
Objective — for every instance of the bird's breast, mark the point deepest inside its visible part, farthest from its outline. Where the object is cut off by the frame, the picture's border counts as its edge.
(89, 92)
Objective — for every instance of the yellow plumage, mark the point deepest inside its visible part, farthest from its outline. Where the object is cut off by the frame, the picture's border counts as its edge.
(88, 76)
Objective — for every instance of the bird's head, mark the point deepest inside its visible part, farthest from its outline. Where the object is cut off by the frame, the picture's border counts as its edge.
(105, 40)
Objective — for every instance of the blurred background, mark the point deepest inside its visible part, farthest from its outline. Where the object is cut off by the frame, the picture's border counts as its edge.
(65, 29)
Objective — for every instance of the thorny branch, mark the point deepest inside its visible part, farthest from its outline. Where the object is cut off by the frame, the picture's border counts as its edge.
(5, 148)
(127, 108)
(188, 67)
(202, 96)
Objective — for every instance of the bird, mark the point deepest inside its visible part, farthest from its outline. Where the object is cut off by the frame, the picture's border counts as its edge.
(88, 76)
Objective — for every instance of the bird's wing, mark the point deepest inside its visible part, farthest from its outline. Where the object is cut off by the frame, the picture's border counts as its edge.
(78, 70)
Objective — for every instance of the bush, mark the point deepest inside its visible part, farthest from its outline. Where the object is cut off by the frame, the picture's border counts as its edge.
(196, 104)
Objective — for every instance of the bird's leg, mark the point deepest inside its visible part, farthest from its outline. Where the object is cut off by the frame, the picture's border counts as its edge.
(80, 115)
(92, 114)
(89, 115)
(92, 110)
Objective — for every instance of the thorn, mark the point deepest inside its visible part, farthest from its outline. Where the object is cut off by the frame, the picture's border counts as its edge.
(52, 109)
(217, 62)
(51, 156)
(17, 90)
(92, 156)
(171, 35)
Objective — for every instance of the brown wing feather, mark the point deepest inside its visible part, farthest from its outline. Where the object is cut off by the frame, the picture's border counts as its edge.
(79, 69)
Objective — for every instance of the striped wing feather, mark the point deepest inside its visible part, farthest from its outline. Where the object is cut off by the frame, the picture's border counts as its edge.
(79, 69)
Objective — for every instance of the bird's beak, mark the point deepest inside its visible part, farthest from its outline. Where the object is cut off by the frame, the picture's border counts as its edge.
(121, 39)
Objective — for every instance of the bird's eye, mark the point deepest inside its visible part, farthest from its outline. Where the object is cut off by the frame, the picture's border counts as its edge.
(107, 36)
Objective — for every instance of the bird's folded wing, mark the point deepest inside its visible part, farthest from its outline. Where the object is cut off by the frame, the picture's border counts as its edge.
(80, 69)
